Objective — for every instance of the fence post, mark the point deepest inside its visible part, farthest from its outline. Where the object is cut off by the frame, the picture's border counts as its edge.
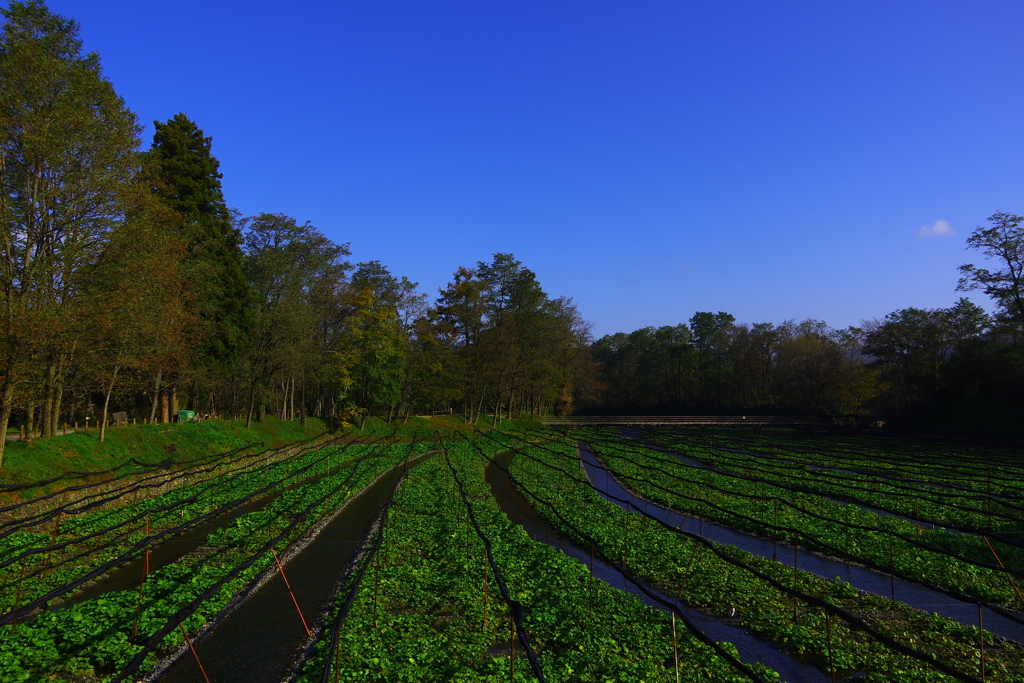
(194, 653)
(289, 586)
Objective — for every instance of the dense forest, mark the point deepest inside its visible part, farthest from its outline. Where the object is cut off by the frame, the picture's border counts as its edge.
(955, 368)
(129, 285)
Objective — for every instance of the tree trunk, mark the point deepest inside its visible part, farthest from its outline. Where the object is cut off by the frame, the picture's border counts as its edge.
(106, 404)
(303, 404)
(57, 400)
(283, 413)
(252, 404)
(290, 396)
(175, 404)
(46, 417)
(156, 396)
(165, 406)
(5, 411)
(30, 423)
(479, 405)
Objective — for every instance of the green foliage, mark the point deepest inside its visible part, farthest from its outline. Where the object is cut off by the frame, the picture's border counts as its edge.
(420, 612)
(368, 366)
(189, 180)
(1002, 241)
(68, 149)
(709, 583)
(82, 451)
(755, 495)
(94, 637)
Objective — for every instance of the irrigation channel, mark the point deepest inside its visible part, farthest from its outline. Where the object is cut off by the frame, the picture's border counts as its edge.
(700, 465)
(258, 641)
(751, 648)
(126, 576)
(861, 578)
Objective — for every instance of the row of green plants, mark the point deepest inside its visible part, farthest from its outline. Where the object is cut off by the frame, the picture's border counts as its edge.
(995, 471)
(44, 557)
(705, 580)
(967, 510)
(429, 609)
(926, 506)
(925, 509)
(101, 636)
(816, 522)
(986, 504)
(920, 452)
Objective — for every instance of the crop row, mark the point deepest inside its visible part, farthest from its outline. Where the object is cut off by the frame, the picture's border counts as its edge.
(954, 562)
(430, 609)
(763, 595)
(968, 511)
(46, 562)
(125, 630)
(996, 471)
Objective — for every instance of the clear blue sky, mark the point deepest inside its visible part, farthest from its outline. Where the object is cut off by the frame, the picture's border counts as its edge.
(650, 159)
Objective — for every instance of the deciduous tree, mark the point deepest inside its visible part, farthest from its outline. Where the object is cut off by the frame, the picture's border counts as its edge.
(67, 150)
(1002, 242)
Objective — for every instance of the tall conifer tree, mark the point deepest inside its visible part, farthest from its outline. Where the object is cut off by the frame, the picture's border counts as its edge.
(191, 186)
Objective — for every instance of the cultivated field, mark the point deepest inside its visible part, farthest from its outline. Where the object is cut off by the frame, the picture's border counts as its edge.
(586, 554)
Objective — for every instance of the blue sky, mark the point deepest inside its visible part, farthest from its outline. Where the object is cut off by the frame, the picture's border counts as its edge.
(772, 160)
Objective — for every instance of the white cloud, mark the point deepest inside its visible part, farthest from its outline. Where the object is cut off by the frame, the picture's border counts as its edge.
(939, 228)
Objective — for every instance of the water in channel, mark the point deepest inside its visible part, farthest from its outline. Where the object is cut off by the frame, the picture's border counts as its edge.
(751, 648)
(258, 641)
(126, 576)
(859, 577)
(698, 464)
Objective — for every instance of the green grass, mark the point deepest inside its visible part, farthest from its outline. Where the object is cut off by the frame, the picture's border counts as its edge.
(447, 425)
(40, 459)
(25, 462)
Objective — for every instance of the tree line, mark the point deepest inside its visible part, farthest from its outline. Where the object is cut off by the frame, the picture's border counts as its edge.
(929, 366)
(128, 283)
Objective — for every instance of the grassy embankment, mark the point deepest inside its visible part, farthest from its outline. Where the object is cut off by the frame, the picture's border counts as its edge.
(448, 426)
(41, 459)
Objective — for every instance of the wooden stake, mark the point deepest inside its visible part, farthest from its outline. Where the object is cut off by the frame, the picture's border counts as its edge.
(289, 587)
(138, 603)
(981, 641)
(828, 637)
(194, 653)
(17, 600)
(675, 647)
(1012, 582)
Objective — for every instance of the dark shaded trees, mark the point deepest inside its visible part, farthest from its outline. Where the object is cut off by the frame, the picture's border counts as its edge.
(297, 275)
(714, 366)
(918, 350)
